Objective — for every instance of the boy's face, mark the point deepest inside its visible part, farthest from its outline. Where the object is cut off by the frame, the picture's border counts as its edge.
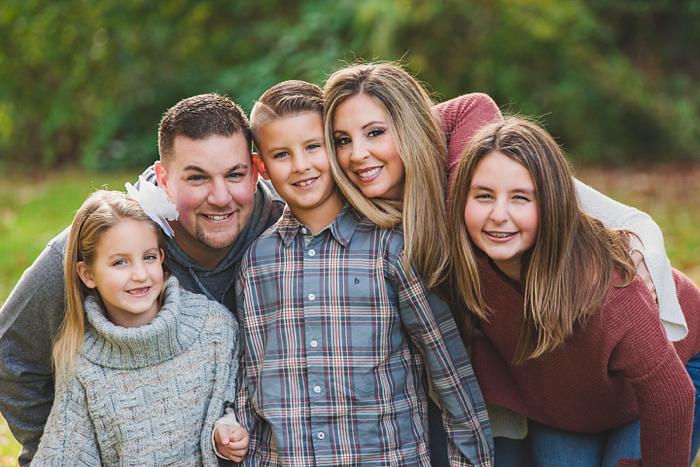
(294, 154)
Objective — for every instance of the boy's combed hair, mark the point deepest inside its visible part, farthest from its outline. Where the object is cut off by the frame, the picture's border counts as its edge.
(286, 99)
(101, 211)
(199, 117)
(570, 267)
(422, 149)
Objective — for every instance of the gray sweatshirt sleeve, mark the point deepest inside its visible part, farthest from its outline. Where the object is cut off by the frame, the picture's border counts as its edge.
(28, 323)
(618, 215)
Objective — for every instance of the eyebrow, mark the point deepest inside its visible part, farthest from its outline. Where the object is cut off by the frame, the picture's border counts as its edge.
(487, 188)
(373, 122)
(196, 168)
(128, 254)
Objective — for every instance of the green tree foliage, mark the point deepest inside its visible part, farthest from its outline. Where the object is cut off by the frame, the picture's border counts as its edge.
(86, 82)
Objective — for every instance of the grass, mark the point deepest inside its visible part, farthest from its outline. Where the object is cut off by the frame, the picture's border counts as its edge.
(34, 208)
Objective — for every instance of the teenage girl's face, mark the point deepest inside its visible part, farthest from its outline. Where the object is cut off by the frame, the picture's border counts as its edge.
(366, 149)
(501, 212)
(127, 272)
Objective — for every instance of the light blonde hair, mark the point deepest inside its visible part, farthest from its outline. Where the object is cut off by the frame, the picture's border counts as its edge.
(422, 149)
(285, 99)
(570, 267)
(101, 211)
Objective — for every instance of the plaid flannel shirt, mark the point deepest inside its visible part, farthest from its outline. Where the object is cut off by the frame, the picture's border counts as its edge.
(338, 338)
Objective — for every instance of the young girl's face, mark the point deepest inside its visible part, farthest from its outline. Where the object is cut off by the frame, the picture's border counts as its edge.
(366, 149)
(501, 212)
(127, 272)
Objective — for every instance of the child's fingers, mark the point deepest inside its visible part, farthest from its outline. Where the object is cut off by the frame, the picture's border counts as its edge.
(236, 445)
(222, 434)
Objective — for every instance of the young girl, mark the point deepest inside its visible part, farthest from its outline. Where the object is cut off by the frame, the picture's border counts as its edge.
(143, 367)
(568, 335)
(389, 158)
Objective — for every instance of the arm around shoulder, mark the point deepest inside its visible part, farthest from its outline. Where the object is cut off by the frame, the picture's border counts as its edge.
(461, 117)
(29, 320)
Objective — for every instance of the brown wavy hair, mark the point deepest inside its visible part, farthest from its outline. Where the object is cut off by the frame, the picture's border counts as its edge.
(570, 267)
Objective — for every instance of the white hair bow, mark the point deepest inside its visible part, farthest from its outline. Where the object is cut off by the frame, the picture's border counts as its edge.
(154, 202)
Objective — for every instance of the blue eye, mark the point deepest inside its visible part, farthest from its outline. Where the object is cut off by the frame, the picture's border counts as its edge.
(119, 262)
(195, 178)
(373, 133)
(313, 147)
(280, 155)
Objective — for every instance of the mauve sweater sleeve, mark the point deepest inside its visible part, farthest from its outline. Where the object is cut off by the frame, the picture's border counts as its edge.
(664, 391)
(461, 117)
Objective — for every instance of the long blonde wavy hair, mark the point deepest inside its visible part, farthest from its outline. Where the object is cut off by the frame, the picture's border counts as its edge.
(571, 263)
(101, 211)
(422, 149)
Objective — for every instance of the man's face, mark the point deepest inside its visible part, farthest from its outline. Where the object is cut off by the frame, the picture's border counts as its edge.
(212, 182)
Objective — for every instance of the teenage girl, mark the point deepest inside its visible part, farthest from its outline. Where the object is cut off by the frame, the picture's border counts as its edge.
(389, 157)
(130, 384)
(566, 334)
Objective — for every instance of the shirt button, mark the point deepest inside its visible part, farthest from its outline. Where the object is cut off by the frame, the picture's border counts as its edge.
(321, 435)
(312, 297)
(312, 252)
(317, 389)
(304, 231)
(314, 343)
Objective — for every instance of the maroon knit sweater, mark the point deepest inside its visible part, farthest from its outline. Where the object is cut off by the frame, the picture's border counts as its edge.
(618, 368)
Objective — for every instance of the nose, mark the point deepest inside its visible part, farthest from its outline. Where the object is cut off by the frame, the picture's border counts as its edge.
(138, 271)
(499, 213)
(219, 194)
(359, 152)
(300, 163)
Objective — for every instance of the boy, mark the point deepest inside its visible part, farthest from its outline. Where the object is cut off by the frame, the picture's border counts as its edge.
(338, 335)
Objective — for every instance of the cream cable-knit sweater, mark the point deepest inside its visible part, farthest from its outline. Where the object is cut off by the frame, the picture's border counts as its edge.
(146, 396)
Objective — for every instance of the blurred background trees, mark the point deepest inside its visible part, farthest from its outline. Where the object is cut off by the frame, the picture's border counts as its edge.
(84, 83)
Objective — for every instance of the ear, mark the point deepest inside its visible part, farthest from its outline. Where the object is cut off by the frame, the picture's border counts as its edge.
(259, 165)
(162, 176)
(85, 275)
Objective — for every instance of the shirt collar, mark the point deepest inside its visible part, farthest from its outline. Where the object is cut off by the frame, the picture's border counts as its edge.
(342, 227)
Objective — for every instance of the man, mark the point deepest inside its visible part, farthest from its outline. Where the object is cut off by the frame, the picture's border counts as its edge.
(207, 171)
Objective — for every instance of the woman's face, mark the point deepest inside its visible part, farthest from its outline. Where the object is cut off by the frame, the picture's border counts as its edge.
(366, 149)
(501, 212)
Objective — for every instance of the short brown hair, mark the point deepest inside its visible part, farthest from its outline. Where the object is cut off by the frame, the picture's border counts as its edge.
(286, 99)
(199, 117)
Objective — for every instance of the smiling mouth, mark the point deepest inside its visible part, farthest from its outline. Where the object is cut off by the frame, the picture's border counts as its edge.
(140, 292)
(305, 183)
(367, 175)
(500, 235)
(217, 217)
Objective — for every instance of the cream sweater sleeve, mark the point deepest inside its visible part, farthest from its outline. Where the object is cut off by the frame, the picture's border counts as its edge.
(617, 215)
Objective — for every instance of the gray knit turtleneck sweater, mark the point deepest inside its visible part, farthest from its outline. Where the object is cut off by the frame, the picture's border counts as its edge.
(146, 396)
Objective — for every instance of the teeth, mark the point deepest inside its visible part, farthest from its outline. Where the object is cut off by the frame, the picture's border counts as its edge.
(217, 217)
(304, 183)
(500, 234)
(139, 291)
(369, 173)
